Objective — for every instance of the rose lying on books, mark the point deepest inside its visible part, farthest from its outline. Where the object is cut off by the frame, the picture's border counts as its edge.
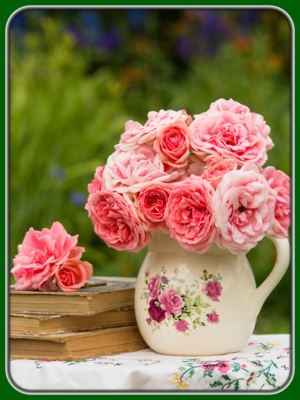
(198, 179)
(48, 260)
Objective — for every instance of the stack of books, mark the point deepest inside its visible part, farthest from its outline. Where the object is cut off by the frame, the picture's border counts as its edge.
(93, 322)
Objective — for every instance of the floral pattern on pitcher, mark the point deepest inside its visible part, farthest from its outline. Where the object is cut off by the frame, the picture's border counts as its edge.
(171, 302)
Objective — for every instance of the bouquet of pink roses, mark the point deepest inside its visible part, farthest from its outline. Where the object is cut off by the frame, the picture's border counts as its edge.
(199, 179)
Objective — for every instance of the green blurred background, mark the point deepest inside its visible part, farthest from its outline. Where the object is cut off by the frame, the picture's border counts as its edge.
(76, 77)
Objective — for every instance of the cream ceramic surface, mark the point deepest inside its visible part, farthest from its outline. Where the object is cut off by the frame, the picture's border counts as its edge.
(214, 294)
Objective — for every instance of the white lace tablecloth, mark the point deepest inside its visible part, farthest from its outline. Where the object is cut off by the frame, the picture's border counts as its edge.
(263, 365)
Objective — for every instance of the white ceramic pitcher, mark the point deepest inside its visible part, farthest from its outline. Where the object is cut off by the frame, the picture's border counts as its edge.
(194, 304)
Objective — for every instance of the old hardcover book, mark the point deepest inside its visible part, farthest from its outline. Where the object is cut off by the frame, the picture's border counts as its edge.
(115, 293)
(59, 323)
(75, 345)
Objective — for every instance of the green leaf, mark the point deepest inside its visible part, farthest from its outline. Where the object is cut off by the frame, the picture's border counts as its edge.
(226, 377)
(236, 367)
(187, 301)
(181, 280)
(208, 373)
(176, 272)
(236, 385)
(204, 305)
(198, 311)
(270, 379)
(197, 301)
(174, 278)
(192, 371)
(216, 384)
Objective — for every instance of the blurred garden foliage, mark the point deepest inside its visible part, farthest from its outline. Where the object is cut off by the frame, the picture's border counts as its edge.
(76, 77)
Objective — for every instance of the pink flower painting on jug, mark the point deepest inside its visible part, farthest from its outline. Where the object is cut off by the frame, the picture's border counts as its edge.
(171, 302)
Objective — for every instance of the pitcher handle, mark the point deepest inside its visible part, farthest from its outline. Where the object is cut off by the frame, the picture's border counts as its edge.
(259, 295)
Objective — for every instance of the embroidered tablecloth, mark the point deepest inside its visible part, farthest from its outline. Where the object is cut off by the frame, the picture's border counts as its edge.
(263, 365)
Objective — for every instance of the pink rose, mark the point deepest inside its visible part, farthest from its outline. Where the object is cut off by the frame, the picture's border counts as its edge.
(230, 135)
(258, 120)
(237, 108)
(213, 318)
(171, 301)
(153, 288)
(244, 209)
(208, 365)
(223, 366)
(41, 253)
(214, 173)
(213, 159)
(165, 118)
(73, 274)
(181, 326)
(151, 204)
(213, 290)
(173, 144)
(97, 183)
(116, 221)
(156, 312)
(229, 105)
(133, 170)
(195, 166)
(280, 182)
(189, 214)
(136, 135)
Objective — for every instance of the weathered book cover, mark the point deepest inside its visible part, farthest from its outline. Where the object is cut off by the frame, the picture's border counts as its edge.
(117, 292)
(60, 323)
(76, 345)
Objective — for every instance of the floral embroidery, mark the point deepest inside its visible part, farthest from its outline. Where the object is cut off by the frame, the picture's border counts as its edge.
(217, 373)
(171, 302)
(179, 383)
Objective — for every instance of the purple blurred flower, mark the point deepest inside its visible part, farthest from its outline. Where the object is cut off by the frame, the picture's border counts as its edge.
(77, 35)
(184, 47)
(59, 173)
(109, 40)
(214, 25)
(77, 198)
(249, 17)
